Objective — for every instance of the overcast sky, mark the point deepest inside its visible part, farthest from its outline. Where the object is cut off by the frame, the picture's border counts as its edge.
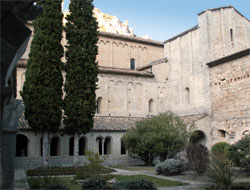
(163, 19)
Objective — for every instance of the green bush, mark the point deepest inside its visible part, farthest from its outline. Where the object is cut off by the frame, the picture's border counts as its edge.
(49, 171)
(220, 173)
(95, 162)
(198, 157)
(221, 149)
(170, 167)
(45, 183)
(96, 184)
(163, 136)
(239, 153)
(140, 184)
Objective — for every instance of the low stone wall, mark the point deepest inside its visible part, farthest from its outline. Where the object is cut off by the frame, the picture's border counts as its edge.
(63, 161)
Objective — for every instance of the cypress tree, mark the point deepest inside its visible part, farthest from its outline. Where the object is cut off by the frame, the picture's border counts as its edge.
(81, 70)
(42, 91)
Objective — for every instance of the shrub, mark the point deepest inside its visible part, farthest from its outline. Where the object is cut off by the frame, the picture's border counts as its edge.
(49, 171)
(170, 167)
(220, 173)
(163, 136)
(95, 184)
(221, 149)
(239, 153)
(134, 185)
(198, 157)
(45, 184)
(95, 162)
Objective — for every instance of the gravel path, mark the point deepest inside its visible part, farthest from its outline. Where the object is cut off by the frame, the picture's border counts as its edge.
(194, 184)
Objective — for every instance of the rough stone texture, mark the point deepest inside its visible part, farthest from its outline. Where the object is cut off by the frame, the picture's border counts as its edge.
(230, 95)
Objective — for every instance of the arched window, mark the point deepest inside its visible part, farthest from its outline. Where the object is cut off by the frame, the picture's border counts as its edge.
(41, 146)
(99, 144)
(150, 106)
(132, 64)
(222, 133)
(246, 132)
(107, 146)
(71, 146)
(82, 146)
(99, 105)
(187, 95)
(123, 149)
(21, 146)
(54, 146)
(198, 137)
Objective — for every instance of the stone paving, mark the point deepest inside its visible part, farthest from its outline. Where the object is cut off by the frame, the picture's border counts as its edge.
(20, 180)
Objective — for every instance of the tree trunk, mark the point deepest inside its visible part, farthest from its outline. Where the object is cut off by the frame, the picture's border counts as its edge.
(76, 150)
(45, 148)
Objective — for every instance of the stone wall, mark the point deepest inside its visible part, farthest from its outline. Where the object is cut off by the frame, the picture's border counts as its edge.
(230, 97)
(189, 52)
(116, 50)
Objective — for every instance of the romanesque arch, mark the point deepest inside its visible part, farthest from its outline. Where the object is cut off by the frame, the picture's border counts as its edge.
(107, 146)
(99, 145)
(21, 145)
(82, 146)
(55, 146)
(71, 146)
(150, 106)
(198, 137)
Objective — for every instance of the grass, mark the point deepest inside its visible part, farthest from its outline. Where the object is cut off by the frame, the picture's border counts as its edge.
(159, 182)
(66, 181)
(136, 168)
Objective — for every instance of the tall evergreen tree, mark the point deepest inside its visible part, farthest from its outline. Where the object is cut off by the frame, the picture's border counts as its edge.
(81, 70)
(42, 91)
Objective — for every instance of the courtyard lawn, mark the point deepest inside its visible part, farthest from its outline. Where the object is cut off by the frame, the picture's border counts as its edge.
(159, 182)
(136, 168)
(66, 181)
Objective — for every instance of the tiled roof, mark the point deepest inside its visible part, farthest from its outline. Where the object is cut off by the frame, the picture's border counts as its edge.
(131, 38)
(188, 119)
(102, 123)
(155, 62)
(23, 62)
(124, 71)
(231, 57)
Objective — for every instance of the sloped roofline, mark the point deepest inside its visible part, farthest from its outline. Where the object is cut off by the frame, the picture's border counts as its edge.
(195, 27)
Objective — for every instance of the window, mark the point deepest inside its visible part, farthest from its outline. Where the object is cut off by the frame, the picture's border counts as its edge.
(99, 144)
(231, 34)
(222, 133)
(123, 149)
(187, 95)
(41, 146)
(132, 64)
(107, 146)
(71, 146)
(98, 107)
(82, 146)
(54, 146)
(150, 106)
(21, 146)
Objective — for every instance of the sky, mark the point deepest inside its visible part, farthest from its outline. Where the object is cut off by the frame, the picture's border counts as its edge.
(163, 19)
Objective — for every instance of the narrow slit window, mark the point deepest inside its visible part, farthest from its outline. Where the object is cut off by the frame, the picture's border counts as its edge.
(132, 64)
(231, 35)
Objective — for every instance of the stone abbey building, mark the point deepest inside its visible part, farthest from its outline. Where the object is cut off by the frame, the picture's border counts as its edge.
(202, 75)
